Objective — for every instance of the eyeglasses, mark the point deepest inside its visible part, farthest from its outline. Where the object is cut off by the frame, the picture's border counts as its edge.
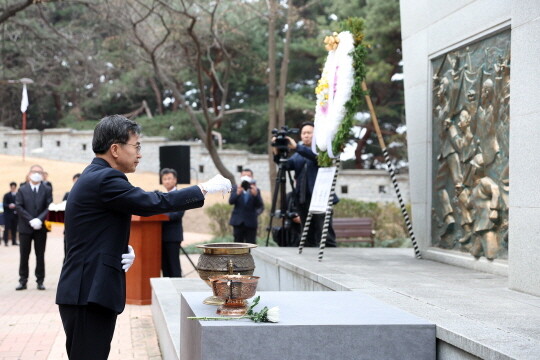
(137, 147)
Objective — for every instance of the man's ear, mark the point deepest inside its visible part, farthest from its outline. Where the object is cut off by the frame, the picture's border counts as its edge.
(114, 150)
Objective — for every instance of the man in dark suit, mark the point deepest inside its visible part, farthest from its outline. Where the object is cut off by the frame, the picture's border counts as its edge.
(10, 214)
(172, 233)
(92, 287)
(46, 180)
(32, 204)
(248, 205)
(305, 166)
(75, 178)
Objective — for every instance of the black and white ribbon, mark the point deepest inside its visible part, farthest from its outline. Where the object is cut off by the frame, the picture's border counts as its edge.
(305, 232)
(390, 169)
(328, 213)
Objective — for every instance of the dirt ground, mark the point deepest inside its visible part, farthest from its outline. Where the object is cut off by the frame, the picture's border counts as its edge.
(12, 168)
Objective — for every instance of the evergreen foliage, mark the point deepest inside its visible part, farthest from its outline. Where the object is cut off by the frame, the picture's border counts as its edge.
(86, 64)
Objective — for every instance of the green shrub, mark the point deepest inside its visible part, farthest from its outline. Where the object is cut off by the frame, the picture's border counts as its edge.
(264, 219)
(347, 208)
(219, 215)
(390, 227)
(193, 249)
(388, 221)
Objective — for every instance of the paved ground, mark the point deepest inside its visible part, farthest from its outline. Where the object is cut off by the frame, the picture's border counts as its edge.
(30, 326)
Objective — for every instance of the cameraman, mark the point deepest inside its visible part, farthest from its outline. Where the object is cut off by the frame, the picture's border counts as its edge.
(248, 205)
(304, 164)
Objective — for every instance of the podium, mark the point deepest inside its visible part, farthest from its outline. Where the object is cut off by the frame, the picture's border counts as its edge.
(145, 238)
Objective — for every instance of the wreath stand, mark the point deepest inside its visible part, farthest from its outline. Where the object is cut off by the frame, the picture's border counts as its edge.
(327, 215)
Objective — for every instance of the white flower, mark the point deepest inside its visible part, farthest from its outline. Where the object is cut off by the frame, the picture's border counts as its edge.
(273, 314)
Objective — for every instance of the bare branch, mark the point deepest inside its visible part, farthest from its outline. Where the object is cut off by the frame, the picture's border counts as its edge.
(14, 9)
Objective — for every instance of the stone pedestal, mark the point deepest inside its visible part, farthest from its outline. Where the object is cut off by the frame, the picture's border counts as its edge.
(313, 325)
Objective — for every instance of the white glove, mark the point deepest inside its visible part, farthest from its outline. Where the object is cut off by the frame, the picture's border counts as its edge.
(128, 259)
(35, 223)
(217, 184)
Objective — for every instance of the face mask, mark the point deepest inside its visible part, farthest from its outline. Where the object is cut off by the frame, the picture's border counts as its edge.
(246, 178)
(36, 177)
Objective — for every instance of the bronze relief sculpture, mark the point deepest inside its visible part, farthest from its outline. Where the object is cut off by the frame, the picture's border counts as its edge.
(471, 120)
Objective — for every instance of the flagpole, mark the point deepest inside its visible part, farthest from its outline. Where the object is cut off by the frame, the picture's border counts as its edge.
(23, 135)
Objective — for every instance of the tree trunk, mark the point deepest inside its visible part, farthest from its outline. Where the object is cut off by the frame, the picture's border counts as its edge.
(360, 147)
(284, 67)
(13, 9)
(204, 135)
(57, 105)
(271, 86)
(157, 94)
(213, 151)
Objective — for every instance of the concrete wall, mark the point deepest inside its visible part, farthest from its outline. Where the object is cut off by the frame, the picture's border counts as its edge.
(433, 27)
(524, 248)
(281, 275)
(76, 146)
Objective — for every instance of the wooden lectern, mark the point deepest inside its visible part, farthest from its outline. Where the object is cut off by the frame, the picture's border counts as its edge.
(145, 238)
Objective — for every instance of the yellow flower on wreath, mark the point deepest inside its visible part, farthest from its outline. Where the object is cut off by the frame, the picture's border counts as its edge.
(322, 90)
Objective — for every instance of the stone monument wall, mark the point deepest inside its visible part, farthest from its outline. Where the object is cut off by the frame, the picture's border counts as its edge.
(432, 29)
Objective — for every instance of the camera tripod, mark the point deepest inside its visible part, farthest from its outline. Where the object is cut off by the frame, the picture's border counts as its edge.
(280, 188)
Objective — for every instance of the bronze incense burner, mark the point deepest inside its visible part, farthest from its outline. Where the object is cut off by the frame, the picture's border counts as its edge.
(234, 290)
(222, 259)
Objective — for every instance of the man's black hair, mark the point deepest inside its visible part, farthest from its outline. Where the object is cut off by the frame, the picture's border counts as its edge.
(113, 129)
(166, 171)
(247, 169)
(13, 183)
(306, 123)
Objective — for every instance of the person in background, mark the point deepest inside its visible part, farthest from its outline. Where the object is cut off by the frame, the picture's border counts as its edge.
(75, 178)
(248, 205)
(10, 214)
(46, 181)
(66, 195)
(304, 164)
(32, 204)
(172, 233)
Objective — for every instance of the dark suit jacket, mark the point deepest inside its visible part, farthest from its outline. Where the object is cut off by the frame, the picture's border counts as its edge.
(30, 206)
(97, 223)
(245, 213)
(172, 231)
(304, 164)
(49, 184)
(9, 198)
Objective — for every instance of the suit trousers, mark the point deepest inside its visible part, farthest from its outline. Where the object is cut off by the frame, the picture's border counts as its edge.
(11, 228)
(89, 331)
(170, 259)
(244, 234)
(40, 239)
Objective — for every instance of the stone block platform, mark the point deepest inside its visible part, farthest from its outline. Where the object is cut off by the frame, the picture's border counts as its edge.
(476, 315)
(313, 325)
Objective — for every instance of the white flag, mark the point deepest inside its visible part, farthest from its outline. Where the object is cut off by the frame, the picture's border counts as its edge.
(24, 102)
